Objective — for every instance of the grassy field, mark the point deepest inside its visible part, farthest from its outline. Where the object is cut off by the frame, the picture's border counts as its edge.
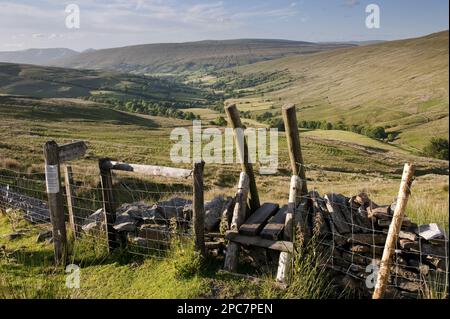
(336, 161)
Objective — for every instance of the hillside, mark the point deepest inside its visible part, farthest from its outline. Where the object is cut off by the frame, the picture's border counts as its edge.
(400, 85)
(191, 56)
(36, 56)
(52, 82)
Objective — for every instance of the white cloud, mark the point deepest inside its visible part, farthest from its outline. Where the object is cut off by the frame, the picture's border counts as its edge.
(134, 20)
(351, 3)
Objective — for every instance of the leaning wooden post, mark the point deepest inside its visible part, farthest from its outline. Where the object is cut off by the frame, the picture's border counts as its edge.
(242, 147)
(394, 229)
(109, 204)
(199, 209)
(232, 256)
(293, 141)
(55, 200)
(70, 194)
(285, 260)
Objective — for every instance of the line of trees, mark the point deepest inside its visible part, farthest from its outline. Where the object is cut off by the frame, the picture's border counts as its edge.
(437, 148)
(376, 132)
(165, 109)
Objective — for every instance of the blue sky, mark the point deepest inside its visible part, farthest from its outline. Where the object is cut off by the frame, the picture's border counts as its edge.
(41, 24)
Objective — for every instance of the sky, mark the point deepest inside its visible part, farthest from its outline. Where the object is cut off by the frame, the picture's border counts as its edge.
(103, 24)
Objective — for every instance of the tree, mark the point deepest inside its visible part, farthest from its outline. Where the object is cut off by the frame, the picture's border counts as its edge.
(437, 148)
(220, 121)
(376, 132)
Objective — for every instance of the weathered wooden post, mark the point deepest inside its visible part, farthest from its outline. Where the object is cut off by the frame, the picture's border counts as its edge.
(285, 259)
(247, 167)
(198, 208)
(293, 141)
(55, 200)
(70, 194)
(109, 204)
(232, 256)
(394, 229)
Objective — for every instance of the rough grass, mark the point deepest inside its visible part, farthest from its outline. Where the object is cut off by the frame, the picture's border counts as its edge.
(400, 84)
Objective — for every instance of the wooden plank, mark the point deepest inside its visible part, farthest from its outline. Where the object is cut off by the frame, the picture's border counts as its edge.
(242, 151)
(199, 209)
(150, 170)
(70, 195)
(109, 205)
(275, 225)
(258, 219)
(334, 209)
(232, 256)
(279, 245)
(293, 141)
(72, 151)
(55, 201)
(292, 215)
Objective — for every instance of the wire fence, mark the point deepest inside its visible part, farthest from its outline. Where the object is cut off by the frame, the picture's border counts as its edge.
(350, 231)
(150, 212)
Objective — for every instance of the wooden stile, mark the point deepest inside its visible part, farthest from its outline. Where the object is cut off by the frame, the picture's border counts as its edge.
(275, 225)
(256, 222)
(293, 141)
(247, 167)
(285, 260)
(283, 246)
(232, 256)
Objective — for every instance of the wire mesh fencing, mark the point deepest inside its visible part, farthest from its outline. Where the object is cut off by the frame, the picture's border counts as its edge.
(350, 231)
(151, 213)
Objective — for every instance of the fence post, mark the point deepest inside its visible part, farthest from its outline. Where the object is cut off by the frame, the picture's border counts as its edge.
(293, 141)
(247, 167)
(55, 200)
(109, 204)
(70, 193)
(394, 229)
(285, 259)
(199, 209)
(232, 256)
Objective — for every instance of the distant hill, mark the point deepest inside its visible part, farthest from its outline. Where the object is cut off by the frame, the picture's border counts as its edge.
(53, 82)
(400, 85)
(191, 56)
(36, 56)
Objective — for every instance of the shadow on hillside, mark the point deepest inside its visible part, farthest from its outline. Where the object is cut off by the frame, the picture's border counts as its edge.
(43, 110)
